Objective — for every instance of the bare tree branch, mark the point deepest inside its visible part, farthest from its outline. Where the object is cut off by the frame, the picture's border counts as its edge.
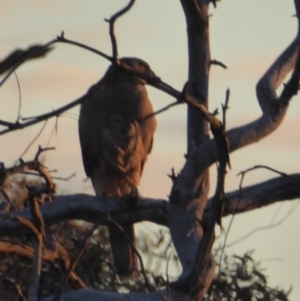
(217, 63)
(203, 156)
(20, 98)
(32, 142)
(62, 39)
(188, 198)
(111, 22)
(88, 208)
(262, 194)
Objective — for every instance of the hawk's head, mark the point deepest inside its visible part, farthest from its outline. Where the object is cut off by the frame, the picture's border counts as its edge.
(131, 68)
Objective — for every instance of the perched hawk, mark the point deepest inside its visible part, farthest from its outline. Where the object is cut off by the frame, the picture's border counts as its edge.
(115, 142)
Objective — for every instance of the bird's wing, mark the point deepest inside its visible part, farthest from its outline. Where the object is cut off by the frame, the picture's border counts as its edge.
(123, 147)
(110, 139)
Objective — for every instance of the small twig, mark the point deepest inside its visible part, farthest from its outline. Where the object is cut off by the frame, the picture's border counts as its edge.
(215, 62)
(54, 130)
(62, 39)
(20, 293)
(20, 98)
(225, 107)
(67, 178)
(175, 103)
(37, 119)
(243, 174)
(111, 22)
(32, 142)
(229, 228)
(41, 150)
(283, 174)
(54, 178)
(270, 226)
(214, 2)
(173, 176)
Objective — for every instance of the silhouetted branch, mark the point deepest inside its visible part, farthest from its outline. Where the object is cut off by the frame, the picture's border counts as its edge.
(20, 98)
(261, 194)
(111, 22)
(32, 142)
(197, 278)
(62, 39)
(217, 63)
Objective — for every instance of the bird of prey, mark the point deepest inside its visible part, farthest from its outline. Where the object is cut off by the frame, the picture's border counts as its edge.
(115, 142)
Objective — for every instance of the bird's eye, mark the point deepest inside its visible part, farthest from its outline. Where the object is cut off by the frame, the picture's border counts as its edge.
(143, 68)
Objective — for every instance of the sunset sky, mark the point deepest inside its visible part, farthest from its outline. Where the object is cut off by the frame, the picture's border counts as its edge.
(247, 36)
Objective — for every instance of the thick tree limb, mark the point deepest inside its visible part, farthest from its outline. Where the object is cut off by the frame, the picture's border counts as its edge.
(188, 198)
(262, 194)
(273, 111)
(88, 208)
(94, 209)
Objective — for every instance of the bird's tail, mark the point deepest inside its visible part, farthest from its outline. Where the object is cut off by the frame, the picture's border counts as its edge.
(124, 257)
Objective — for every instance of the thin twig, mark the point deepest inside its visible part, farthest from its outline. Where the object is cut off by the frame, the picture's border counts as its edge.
(283, 174)
(54, 178)
(32, 142)
(243, 174)
(229, 228)
(225, 107)
(273, 225)
(62, 39)
(175, 103)
(215, 62)
(20, 293)
(20, 97)
(111, 22)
